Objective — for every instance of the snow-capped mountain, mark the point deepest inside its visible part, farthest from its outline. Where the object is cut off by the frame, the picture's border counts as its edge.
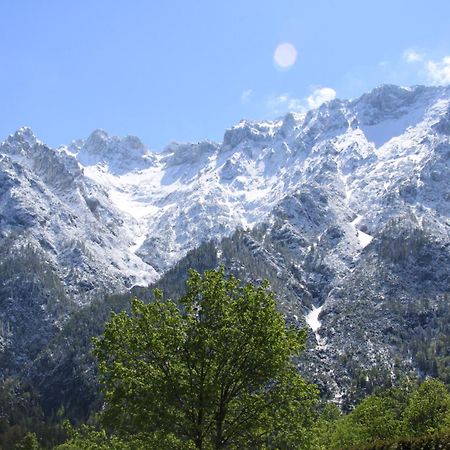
(366, 148)
(320, 197)
(52, 205)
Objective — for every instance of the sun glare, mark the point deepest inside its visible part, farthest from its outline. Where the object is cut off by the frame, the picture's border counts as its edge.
(285, 55)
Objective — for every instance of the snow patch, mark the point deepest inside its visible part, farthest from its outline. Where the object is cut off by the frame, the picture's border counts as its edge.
(126, 203)
(312, 318)
(385, 130)
(138, 242)
(364, 238)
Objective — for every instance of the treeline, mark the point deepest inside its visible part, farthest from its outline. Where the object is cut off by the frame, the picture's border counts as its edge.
(407, 417)
(165, 366)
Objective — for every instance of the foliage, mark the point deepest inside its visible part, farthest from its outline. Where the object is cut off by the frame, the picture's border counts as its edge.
(91, 438)
(437, 441)
(392, 418)
(21, 417)
(325, 426)
(214, 370)
(374, 418)
(429, 336)
(29, 442)
(428, 409)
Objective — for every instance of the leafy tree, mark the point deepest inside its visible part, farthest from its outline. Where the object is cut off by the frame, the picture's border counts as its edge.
(428, 409)
(325, 426)
(392, 417)
(29, 442)
(90, 438)
(375, 418)
(214, 371)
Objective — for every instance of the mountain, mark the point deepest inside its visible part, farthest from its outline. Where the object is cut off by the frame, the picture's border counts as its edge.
(345, 209)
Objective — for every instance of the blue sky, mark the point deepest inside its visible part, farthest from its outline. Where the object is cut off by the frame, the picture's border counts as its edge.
(187, 70)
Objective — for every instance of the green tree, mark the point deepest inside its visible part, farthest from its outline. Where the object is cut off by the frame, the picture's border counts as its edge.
(325, 426)
(91, 438)
(29, 442)
(213, 371)
(428, 409)
(375, 418)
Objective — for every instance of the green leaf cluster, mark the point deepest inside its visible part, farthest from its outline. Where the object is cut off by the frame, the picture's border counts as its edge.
(213, 370)
(397, 414)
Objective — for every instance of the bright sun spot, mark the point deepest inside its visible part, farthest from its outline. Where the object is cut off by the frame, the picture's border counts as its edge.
(285, 55)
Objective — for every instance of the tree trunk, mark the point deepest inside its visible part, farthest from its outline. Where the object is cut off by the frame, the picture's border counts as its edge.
(219, 428)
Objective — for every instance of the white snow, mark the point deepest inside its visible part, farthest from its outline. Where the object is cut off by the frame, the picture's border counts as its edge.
(166, 204)
(192, 192)
(364, 238)
(312, 318)
(384, 131)
(138, 242)
(348, 191)
(128, 204)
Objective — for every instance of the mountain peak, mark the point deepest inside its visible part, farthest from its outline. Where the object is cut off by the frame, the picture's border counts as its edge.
(121, 155)
(388, 97)
(98, 137)
(22, 142)
(249, 131)
(23, 135)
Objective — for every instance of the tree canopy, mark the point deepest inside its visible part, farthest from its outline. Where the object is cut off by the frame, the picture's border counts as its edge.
(213, 370)
(393, 418)
(428, 409)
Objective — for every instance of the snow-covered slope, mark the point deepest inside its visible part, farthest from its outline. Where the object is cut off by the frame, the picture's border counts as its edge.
(386, 141)
(138, 212)
(48, 203)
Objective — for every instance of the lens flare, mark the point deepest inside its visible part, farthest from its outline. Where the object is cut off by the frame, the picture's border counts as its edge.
(285, 55)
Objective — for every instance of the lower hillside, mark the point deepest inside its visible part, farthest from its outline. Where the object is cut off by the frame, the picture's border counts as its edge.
(388, 317)
(215, 369)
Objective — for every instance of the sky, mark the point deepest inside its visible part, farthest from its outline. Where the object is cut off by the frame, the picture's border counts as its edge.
(180, 70)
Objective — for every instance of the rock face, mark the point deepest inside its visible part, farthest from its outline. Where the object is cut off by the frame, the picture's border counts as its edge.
(345, 208)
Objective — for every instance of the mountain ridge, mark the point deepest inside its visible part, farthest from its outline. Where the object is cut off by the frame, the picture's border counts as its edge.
(340, 199)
